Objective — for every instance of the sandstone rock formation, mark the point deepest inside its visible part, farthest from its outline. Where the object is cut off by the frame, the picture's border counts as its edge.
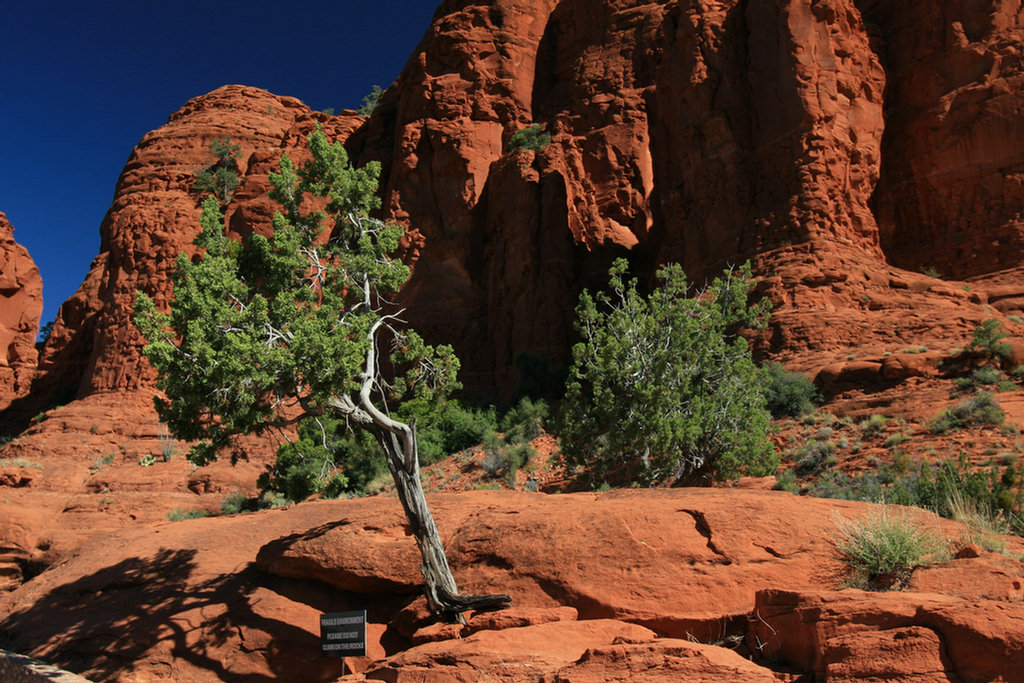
(94, 347)
(614, 586)
(21, 304)
(704, 133)
(834, 143)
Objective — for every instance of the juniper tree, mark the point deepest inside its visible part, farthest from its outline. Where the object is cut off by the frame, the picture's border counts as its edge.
(276, 330)
(221, 179)
(661, 388)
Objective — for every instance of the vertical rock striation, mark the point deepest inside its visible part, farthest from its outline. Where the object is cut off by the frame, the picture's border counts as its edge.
(833, 142)
(21, 305)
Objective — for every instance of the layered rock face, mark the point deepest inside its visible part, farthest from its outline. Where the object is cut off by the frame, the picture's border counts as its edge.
(836, 143)
(831, 142)
(951, 187)
(21, 305)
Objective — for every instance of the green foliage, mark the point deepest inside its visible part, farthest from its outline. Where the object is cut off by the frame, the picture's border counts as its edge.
(234, 503)
(896, 439)
(887, 543)
(507, 453)
(20, 462)
(44, 332)
(370, 102)
(148, 460)
(280, 327)
(987, 340)
(994, 491)
(532, 137)
(179, 515)
(980, 409)
(873, 425)
(331, 460)
(524, 421)
(220, 179)
(503, 457)
(449, 427)
(788, 393)
(661, 388)
(786, 481)
(813, 456)
(983, 376)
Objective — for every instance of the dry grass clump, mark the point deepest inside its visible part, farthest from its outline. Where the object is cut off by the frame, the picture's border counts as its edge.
(883, 548)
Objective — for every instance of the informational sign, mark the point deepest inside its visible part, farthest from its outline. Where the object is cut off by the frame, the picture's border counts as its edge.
(343, 634)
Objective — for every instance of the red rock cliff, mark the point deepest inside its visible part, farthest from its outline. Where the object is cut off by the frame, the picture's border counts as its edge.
(94, 347)
(21, 305)
(834, 142)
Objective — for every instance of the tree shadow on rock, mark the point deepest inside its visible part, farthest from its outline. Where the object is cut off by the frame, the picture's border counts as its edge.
(162, 610)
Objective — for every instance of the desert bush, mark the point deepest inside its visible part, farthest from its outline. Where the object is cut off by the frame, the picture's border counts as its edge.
(370, 102)
(873, 425)
(178, 515)
(887, 543)
(980, 525)
(221, 178)
(995, 491)
(813, 456)
(661, 388)
(524, 421)
(234, 503)
(980, 409)
(896, 439)
(786, 481)
(788, 393)
(986, 339)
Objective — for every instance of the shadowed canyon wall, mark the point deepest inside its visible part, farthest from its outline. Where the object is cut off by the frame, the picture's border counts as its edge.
(21, 305)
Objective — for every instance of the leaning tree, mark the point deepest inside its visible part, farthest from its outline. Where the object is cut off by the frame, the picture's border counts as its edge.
(269, 331)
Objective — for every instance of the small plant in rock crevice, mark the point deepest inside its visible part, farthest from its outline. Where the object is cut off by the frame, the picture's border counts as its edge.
(883, 548)
(530, 138)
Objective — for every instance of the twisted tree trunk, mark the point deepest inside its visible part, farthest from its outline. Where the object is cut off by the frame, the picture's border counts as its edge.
(443, 597)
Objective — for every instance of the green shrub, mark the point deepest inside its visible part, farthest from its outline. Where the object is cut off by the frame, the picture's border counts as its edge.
(987, 375)
(995, 491)
(986, 339)
(786, 481)
(981, 409)
(661, 388)
(504, 459)
(788, 392)
(813, 456)
(873, 425)
(221, 178)
(147, 460)
(532, 137)
(525, 421)
(179, 515)
(234, 503)
(20, 462)
(980, 525)
(887, 544)
(896, 439)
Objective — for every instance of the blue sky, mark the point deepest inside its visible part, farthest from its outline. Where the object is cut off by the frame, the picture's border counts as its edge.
(82, 82)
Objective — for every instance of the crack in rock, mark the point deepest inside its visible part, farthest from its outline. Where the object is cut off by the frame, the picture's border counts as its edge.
(704, 529)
